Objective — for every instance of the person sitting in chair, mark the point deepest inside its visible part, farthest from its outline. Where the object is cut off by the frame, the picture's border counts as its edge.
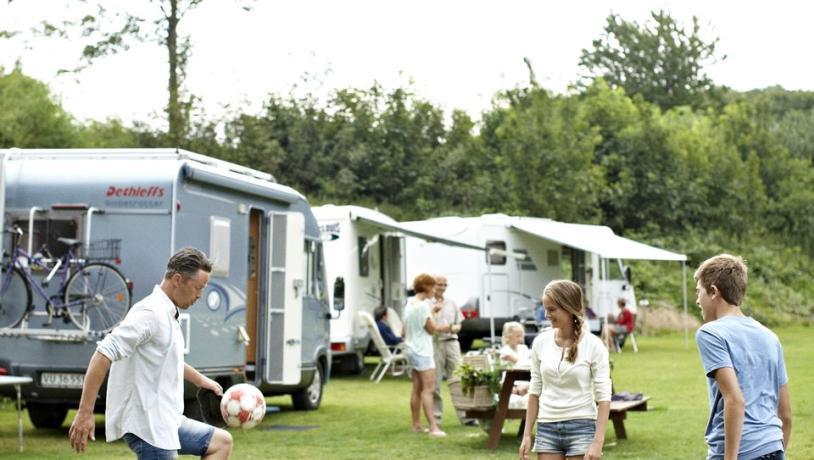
(380, 315)
(623, 325)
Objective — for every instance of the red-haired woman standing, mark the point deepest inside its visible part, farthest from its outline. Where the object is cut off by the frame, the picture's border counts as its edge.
(419, 327)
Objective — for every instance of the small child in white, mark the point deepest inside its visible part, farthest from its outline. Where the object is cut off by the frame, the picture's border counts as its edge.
(515, 352)
(514, 349)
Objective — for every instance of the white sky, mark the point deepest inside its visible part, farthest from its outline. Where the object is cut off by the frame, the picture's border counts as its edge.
(457, 54)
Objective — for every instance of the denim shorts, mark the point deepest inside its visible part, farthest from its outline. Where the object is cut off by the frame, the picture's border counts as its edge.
(194, 436)
(420, 363)
(569, 437)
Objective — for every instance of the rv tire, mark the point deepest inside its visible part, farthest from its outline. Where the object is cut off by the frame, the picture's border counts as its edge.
(310, 397)
(47, 416)
(355, 363)
(465, 341)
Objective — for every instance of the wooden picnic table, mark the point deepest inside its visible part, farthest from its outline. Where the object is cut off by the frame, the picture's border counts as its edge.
(500, 413)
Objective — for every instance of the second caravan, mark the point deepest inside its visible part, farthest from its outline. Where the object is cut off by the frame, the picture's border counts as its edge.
(367, 249)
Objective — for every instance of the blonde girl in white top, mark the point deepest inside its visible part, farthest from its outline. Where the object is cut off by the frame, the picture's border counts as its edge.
(570, 390)
(514, 349)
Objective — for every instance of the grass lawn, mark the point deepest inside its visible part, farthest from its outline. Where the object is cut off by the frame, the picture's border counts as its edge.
(359, 419)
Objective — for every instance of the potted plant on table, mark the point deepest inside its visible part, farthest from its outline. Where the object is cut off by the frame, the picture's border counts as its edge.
(475, 386)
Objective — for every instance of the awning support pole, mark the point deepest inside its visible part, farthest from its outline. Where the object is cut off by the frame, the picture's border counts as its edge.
(686, 315)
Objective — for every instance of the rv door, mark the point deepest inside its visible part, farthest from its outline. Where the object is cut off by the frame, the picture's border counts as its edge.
(284, 300)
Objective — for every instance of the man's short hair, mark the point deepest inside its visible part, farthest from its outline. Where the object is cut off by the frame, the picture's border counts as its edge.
(379, 312)
(726, 272)
(187, 262)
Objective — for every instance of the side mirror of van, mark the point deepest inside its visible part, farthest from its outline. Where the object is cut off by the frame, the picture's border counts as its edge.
(628, 275)
(339, 294)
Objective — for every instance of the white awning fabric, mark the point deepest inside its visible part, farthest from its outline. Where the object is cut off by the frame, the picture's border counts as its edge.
(596, 239)
(395, 227)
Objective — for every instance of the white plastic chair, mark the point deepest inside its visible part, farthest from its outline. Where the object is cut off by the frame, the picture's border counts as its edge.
(620, 340)
(394, 321)
(395, 361)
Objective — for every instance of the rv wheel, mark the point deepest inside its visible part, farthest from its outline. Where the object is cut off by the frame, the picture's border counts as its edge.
(466, 342)
(355, 364)
(308, 398)
(47, 415)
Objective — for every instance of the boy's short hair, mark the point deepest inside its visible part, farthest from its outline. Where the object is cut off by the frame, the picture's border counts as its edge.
(424, 283)
(726, 272)
(379, 312)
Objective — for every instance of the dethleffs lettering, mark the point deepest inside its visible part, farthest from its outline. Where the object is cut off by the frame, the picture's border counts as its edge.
(135, 192)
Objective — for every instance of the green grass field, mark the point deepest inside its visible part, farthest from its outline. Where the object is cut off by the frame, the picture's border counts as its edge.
(359, 419)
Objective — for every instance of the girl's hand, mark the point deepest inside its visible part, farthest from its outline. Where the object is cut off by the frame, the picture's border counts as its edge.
(525, 446)
(595, 451)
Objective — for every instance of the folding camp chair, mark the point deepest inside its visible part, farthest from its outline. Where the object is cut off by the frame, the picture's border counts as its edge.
(395, 361)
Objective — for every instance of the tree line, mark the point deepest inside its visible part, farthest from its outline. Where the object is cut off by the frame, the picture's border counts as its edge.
(675, 161)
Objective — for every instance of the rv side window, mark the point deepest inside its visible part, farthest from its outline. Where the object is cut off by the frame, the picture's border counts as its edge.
(309, 266)
(320, 274)
(496, 259)
(47, 232)
(219, 245)
(312, 268)
(364, 256)
(525, 264)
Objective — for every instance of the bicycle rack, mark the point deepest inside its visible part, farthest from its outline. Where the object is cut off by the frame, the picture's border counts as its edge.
(50, 335)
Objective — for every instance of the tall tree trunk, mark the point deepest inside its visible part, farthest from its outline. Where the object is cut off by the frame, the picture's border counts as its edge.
(174, 107)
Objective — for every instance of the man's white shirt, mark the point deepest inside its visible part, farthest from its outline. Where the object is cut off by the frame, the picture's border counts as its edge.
(145, 388)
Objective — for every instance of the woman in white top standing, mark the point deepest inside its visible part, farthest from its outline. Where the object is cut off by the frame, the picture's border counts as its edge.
(570, 391)
(419, 327)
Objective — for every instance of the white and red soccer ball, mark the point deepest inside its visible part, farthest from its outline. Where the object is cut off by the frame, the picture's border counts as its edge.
(243, 406)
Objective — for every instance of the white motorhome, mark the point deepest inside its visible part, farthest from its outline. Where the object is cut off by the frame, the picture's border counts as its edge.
(366, 248)
(524, 254)
(264, 317)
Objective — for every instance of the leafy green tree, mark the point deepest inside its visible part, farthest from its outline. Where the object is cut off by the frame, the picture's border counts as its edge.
(105, 28)
(29, 117)
(660, 60)
(545, 151)
(795, 131)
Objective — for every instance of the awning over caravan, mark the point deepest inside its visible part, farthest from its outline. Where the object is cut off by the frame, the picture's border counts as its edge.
(596, 239)
(394, 227)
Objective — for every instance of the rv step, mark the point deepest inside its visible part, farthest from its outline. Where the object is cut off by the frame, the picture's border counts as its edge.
(50, 335)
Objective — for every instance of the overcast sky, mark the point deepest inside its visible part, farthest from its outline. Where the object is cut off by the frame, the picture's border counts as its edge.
(456, 54)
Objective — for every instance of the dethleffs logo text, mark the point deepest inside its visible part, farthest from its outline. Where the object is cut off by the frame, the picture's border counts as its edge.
(135, 192)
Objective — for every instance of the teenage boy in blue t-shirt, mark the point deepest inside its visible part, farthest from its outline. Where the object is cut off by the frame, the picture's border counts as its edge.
(750, 411)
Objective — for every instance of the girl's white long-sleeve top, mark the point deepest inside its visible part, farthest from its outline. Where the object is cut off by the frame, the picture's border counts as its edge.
(569, 391)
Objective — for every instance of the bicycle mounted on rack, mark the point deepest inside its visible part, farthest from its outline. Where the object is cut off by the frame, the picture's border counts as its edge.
(93, 295)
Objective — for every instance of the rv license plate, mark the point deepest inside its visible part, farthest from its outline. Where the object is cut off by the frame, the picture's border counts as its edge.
(61, 380)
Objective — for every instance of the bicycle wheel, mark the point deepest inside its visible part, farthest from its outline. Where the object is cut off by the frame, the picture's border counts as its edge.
(96, 297)
(15, 297)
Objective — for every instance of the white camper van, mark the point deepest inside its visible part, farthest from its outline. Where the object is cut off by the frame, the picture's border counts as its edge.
(264, 316)
(523, 255)
(366, 248)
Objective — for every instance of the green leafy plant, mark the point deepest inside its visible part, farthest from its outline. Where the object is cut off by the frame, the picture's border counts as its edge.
(472, 377)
